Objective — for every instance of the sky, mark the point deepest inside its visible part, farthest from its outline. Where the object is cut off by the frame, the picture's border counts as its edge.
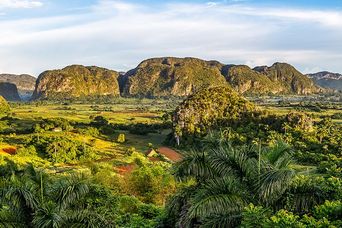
(37, 35)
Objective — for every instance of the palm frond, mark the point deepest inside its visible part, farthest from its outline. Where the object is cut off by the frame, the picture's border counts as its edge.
(20, 195)
(222, 221)
(227, 159)
(10, 219)
(48, 216)
(217, 196)
(274, 183)
(85, 219)
(193, 164)
(304, 197)
(70, 190)
(279, 155)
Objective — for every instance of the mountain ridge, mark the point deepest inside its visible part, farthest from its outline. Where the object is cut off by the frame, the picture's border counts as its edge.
(278, 78)
(327, 79)
(172, 76)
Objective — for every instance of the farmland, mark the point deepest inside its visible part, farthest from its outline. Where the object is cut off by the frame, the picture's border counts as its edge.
(126, 147)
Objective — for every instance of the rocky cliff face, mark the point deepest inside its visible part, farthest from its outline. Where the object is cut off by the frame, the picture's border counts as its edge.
(162, 77)
(327, 79)
(245, 80)
(9, 91)
(25, 83)
(183, 76)
(76, 81)
(290, 79)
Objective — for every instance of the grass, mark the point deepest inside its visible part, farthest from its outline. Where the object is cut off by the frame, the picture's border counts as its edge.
(110, 152)
(121, 113)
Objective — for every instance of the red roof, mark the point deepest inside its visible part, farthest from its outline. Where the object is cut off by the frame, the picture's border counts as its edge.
(170, 154)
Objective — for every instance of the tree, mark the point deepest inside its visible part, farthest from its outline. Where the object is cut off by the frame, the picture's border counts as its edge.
(4, 106)
(150, 182)
(324, 128)
(34, 200)
(121, 138)
(227, 179)
(100, 121)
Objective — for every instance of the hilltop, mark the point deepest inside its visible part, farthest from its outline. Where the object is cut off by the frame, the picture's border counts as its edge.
(76, 81)
(209, 107)
(246, 80)
(289, 78)
(171, 77)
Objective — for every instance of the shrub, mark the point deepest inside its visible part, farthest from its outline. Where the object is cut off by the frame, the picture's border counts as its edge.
(62, 149)
(27, 151)
(99, 121)
(330, 210)
(91, 131)
(130, 151)
(337, 116)
(254, 216)
(4, 106)
(121, 138)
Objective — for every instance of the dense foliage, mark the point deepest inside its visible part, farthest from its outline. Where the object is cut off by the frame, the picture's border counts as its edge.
(34, 198)
(224, 179)
(105, 165)
(76, 81)
(209, 109)
(62, 149)
(251, 168)
(164, 77)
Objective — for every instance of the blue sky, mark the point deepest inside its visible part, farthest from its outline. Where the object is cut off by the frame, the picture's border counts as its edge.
(48, 34)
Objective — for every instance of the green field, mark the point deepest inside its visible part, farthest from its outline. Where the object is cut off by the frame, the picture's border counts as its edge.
(122, 113)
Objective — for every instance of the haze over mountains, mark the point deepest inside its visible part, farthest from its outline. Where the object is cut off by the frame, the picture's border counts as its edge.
(165, 77)
(9, 91)
(23, 86)
(327, 79)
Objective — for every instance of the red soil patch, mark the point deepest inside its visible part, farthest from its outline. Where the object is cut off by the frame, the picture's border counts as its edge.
(9, 150)
(125, 169)
(170, 154)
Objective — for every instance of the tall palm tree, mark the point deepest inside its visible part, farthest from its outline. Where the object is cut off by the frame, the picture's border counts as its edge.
(33, 200)
(227, 178)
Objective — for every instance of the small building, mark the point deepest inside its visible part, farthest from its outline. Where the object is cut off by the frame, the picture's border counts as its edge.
(151, 153)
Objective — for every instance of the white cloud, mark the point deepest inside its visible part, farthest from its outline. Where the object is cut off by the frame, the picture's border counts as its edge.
(119, 35)
(212, 3)
(20, 4)
(329, 18)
